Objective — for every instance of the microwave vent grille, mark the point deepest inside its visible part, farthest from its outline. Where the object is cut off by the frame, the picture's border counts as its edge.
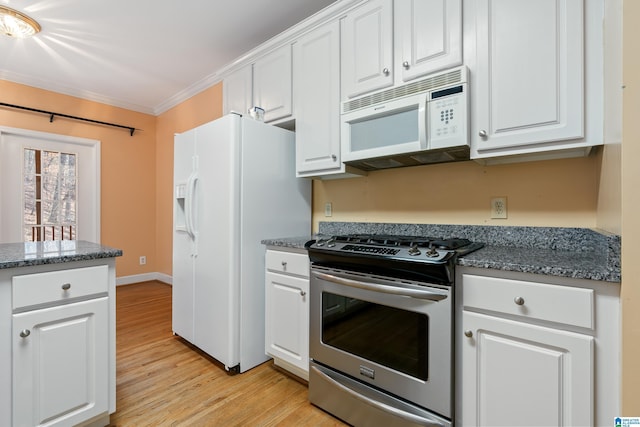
(440, 80)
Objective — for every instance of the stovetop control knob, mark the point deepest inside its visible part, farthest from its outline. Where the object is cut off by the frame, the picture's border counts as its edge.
(432, 253)
(414, 251)
(331, 243)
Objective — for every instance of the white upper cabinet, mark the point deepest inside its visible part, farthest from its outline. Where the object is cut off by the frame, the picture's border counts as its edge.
(237, 91)
(367, 48)
(317, 89)
(266, 83)
(272, 84)
(533, 77)
(387, 42)
(428, 36)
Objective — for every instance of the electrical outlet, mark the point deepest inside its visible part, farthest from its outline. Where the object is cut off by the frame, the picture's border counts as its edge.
(143, 260)
(328, 210)
(499, 207)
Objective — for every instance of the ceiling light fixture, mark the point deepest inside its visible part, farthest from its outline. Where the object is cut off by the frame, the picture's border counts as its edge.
(17, 24)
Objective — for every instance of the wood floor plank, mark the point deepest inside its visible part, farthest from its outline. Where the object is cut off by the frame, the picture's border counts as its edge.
(164, 381)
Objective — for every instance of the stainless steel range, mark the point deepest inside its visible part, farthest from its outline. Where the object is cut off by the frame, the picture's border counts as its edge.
(381, 320)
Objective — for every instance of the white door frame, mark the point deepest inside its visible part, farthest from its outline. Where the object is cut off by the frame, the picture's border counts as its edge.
(88, 199)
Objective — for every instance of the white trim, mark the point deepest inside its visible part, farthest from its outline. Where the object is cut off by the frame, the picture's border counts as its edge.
(51, 86)
(146, 277)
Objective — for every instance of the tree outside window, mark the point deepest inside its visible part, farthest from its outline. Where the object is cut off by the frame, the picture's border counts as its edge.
(49, 194)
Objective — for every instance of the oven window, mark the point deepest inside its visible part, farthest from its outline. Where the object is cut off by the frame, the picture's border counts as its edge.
(395, 338)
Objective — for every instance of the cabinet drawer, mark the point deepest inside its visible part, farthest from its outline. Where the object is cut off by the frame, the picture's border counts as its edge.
(554, 303)
(288, 262)
(57, 287)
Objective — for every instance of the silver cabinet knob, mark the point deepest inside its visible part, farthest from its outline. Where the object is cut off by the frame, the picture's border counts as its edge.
(25, 333)
(468, 333)
(302, 293)
(482, 133)
(334, 157)
(519, 300)
(385, 71)
(284, 263)
(405, 64)
(66, 286)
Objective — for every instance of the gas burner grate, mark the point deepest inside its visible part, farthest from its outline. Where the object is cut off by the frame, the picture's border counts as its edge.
(404, 241)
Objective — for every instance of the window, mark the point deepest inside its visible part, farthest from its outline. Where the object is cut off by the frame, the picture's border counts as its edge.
(49, 192)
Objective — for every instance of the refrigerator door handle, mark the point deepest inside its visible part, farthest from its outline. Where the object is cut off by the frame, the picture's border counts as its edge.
(189, 208)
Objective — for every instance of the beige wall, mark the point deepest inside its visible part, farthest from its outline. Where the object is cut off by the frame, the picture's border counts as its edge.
(128, 196)
(562, 193)
(631, 211)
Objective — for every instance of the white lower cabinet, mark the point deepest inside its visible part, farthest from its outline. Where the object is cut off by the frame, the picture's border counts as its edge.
(525, 375)
(60, 364)
(57, 357)
(287, 310)
(536, 354)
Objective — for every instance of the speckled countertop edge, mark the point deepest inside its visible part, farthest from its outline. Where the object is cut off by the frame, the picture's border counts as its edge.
(579, 253)
(13, 255)
(296, 242)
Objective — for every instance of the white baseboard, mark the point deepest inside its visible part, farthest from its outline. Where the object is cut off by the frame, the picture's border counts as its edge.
(136, 278)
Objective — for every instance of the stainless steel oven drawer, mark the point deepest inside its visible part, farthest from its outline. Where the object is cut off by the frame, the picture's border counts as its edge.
(360, 405)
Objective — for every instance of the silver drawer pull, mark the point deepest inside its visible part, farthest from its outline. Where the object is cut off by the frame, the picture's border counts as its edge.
(303, 293)
(284, 263)
(25, 333)
(66, 286)
(519, 300)
(468, 333)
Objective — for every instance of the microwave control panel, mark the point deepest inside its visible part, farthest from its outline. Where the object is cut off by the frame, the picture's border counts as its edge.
(448, 117)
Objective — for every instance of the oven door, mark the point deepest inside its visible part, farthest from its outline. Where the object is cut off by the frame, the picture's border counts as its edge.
(391, 334)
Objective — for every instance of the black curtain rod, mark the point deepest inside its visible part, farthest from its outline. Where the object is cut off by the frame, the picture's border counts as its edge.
(51, 115)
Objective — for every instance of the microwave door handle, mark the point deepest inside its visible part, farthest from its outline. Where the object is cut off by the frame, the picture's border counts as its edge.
(431, 294)
(422, 121)
(407, 416)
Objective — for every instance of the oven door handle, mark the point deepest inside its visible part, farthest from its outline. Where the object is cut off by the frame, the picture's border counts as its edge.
(427, 294)
(406, 416)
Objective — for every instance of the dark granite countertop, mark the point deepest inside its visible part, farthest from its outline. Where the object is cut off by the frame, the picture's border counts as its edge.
(289, 242)
(27, 254)
(579, 253)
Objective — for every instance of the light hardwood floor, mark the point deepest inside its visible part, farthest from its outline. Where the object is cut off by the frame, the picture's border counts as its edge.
(163, 381)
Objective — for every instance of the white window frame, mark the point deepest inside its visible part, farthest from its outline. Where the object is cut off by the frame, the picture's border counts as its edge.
(11, 198)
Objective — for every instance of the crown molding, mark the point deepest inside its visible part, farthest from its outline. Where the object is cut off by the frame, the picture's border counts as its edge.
(328, 14)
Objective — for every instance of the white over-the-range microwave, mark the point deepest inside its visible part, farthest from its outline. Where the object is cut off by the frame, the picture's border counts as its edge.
(422, 122)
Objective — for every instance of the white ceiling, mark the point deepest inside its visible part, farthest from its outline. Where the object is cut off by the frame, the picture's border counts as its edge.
(138, 54)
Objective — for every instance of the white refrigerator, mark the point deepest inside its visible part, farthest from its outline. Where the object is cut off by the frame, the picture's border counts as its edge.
(234, 185)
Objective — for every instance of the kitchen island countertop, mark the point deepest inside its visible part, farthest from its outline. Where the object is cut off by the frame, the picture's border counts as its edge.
(578, 253)
(27, 254)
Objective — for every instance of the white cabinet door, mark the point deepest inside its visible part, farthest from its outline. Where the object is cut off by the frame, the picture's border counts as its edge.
(387, 43)
(272, 84)
(367, 49)
(61, 364)
(287, 319)
(530, 75)
(518, 374)
(428, 36)
(316, 75)
(237, 91)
